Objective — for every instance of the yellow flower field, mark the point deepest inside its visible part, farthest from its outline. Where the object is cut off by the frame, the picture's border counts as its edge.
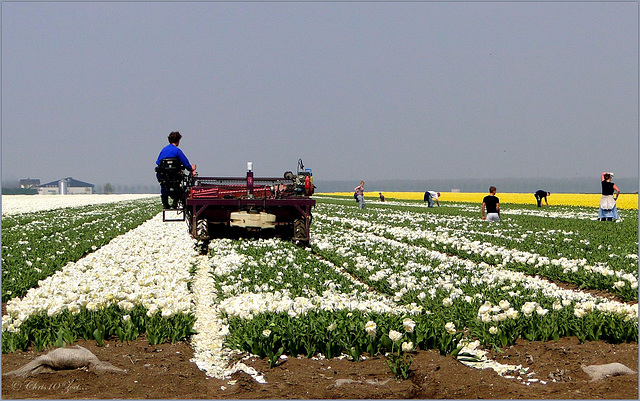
(626, 201)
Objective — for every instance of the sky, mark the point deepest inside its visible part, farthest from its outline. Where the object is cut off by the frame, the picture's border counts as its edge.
(358, 90)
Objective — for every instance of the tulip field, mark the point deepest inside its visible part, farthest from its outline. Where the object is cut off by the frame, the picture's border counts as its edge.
(389, 279)
(37, 244)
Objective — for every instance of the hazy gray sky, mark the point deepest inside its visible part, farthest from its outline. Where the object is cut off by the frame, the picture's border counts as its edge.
(357, 90)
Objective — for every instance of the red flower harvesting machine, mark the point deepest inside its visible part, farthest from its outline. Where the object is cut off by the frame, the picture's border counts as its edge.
(218, 207)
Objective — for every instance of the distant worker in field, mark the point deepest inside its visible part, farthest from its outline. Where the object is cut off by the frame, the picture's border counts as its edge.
(167, 173)
(359, 191)
(381, 197)
(540, 194)
(491, 204)
(431, 196)
(608, 210)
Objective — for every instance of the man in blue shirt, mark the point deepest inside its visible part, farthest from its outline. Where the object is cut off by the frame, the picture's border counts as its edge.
(169, 151)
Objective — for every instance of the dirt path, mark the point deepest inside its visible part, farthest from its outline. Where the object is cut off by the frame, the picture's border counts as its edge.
(165, 372)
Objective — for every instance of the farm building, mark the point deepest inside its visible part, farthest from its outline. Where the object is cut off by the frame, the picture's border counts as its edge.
(66, 186)
(29, 183)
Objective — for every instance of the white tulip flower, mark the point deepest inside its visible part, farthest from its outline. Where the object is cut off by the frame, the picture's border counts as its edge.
(541, 311)
(408, 324)
(395, 336)
(370, 328)
(450, 328)
(579, 312)
(528, 308)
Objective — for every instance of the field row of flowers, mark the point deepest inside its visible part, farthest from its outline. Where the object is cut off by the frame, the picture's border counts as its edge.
(403, 269)
(37, 244)
(136, 284)
(626, 201)
(16, 204)
(586, 253)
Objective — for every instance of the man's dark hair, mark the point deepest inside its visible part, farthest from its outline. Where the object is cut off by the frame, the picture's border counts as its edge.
(174, 137)
(492, 189)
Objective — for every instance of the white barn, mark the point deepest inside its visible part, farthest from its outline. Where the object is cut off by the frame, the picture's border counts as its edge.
(66, 186)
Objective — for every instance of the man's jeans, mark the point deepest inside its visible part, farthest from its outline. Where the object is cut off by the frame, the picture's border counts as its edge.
(538, 200)
(361, 201)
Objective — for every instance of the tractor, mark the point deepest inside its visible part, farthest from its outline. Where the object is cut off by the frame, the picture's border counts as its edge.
(233, 207)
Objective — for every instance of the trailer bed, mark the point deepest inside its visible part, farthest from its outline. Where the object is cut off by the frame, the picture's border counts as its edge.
(215, 205)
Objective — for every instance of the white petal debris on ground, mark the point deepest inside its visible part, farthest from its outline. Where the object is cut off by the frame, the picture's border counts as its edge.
(471, 355)
(209, 353)
(15, 204)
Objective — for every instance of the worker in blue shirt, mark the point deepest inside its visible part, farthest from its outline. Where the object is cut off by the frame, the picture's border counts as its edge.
(172, 150)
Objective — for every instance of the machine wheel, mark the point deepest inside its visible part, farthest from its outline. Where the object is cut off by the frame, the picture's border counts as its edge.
(202, 235)
(202, 229)
(300, 235)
